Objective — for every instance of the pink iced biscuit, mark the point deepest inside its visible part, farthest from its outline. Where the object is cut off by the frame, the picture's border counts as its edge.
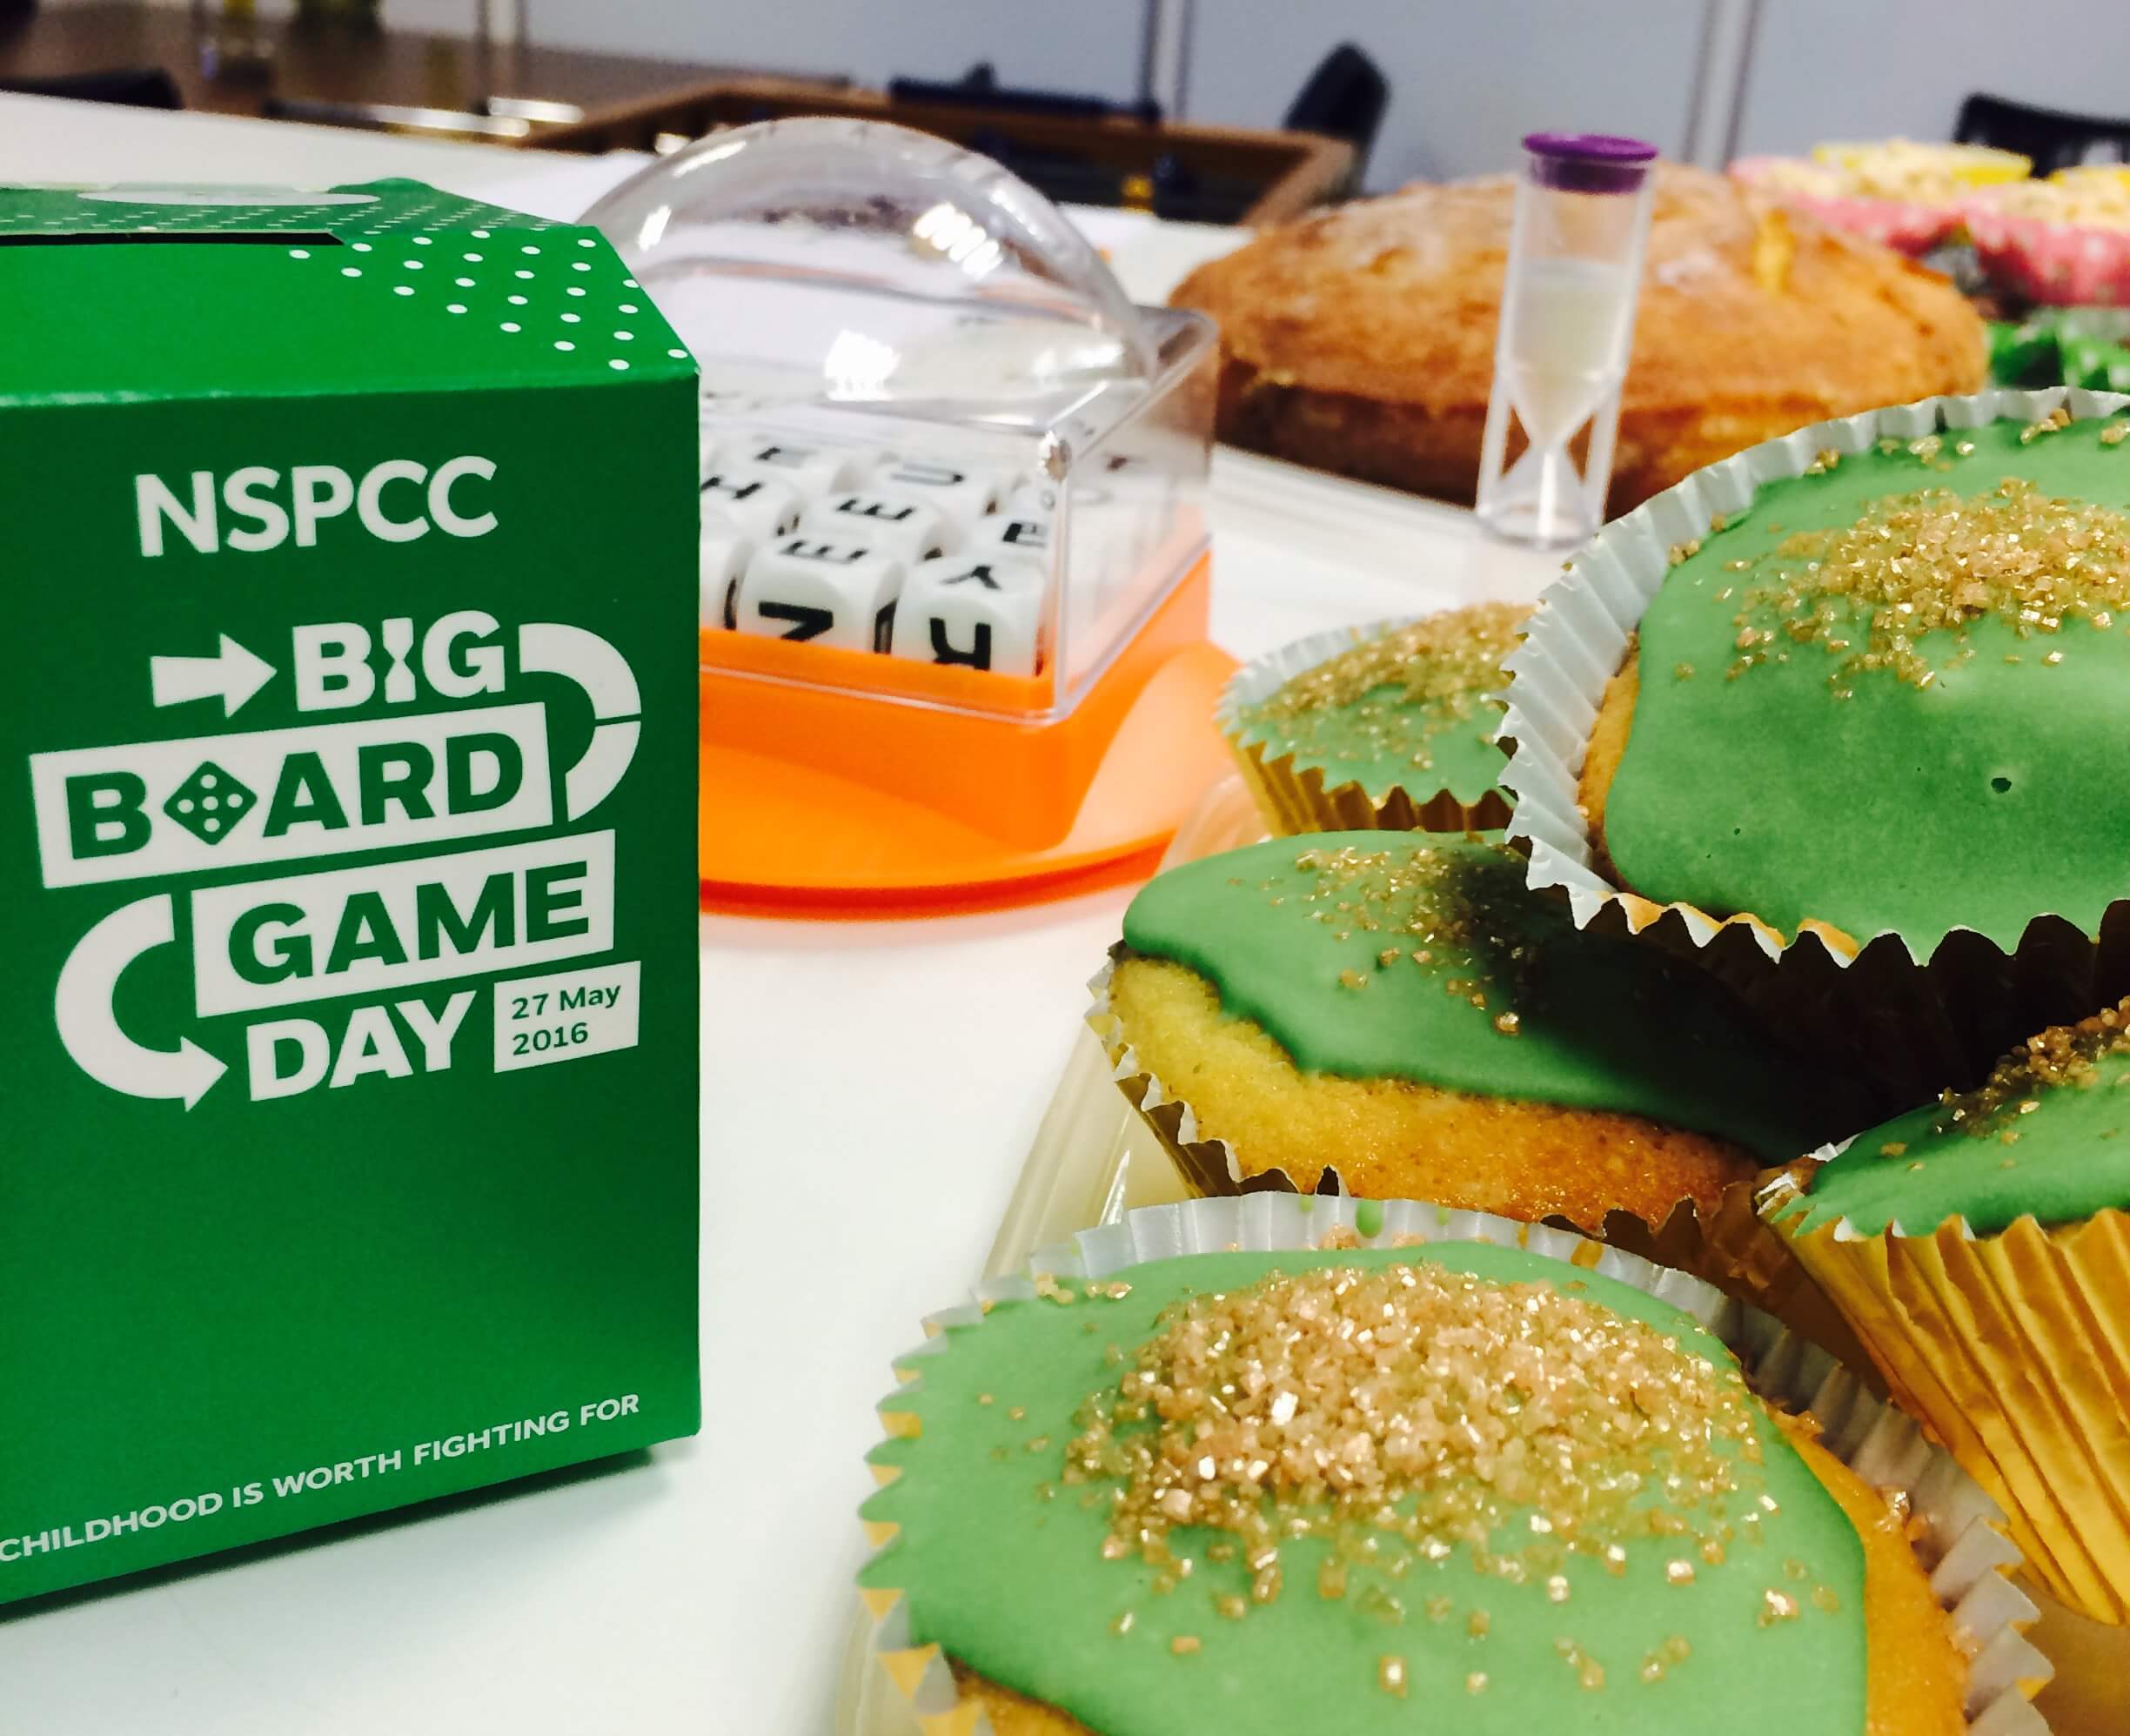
(2058, 263)
(1899, 224)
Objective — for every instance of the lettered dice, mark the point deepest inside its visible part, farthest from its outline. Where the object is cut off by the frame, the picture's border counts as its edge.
(908, 529)
(964, 495)
(724, 552)
(757, 502)
(1026, 538)
(821, 590)
(983, 611)
(813, 470)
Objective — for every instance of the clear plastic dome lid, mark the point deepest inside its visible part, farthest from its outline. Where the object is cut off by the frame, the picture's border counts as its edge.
(860, 263)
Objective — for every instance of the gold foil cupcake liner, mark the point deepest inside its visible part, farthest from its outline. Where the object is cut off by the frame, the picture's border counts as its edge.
(1914, 1015)
(1296, 799)
(1730, 1247)
(2014, 1348)
(1957, 1529)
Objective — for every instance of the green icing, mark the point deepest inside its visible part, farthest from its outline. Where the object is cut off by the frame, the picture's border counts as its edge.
(2067, 1158)
(1014, 1584)
(1601, 1023)
(1345, 743)
(1980, 801)
(1427, 725)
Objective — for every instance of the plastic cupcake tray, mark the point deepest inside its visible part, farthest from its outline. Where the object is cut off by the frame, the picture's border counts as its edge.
(1906, 227)
(2061, 264)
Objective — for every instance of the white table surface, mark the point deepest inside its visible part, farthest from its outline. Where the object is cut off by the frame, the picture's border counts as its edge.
(869, 1090)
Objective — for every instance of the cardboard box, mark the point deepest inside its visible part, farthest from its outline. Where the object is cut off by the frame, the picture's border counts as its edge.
(348, 1105)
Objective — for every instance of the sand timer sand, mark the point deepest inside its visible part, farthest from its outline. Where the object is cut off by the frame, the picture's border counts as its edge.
(1567, 325)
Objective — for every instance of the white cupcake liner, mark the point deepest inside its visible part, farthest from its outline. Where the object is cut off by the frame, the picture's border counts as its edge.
(1298, 800)
(1915, 1035)
(1960, 1539)
(1209, 1165)
(1727, 1246)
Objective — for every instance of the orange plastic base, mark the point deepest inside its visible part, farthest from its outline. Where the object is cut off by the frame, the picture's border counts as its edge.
(817, 801)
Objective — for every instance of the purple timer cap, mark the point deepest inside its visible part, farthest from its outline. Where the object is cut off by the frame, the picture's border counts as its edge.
(1588, 162)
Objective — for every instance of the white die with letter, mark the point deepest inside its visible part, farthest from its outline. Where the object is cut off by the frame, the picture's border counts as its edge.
(821, 590)
(964, 495)
(982, 611)
(759, 503)
(723, 552)
(908, 528)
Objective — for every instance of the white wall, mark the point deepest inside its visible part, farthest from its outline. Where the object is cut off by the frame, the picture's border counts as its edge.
(1468, 78)
(1850, 68)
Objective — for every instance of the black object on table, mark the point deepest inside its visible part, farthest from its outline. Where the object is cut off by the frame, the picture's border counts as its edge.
(2053, 138)
(1345, 98)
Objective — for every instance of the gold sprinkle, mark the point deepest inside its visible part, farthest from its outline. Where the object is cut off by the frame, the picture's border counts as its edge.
(1398, 691)
(1507, 1023)
(1184, 1644)
(1679, 1572)
(1017, 1414)
(2060, 1057)
(1478, 1623)
(1311, 1405)
(1777, 1606)
(1388, 957)
(1681, 552)
(1825, 1599)
(1439, 1609)
(1933, 562)
(1556, 1589)
(1352, 979)
(1893, 1147)
(2058, 417)
(984, 1398)
(1681, 671)
(1391, 1674)
(1233, 1607)
(1476, 1682)
(2116, 433)
(1122, 1625)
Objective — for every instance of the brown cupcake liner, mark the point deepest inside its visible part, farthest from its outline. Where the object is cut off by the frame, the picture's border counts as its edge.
(1294, 801)
(1912, 1014)
(2015, 1350)
(1730, 1247)
(1957, 1530)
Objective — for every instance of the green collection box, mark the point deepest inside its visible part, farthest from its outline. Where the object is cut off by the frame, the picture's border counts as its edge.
(348, 1103)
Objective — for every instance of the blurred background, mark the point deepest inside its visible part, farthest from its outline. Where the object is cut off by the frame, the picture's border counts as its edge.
(1431, 89)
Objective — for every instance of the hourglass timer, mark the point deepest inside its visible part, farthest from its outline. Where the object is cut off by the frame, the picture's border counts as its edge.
(1567, 324)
